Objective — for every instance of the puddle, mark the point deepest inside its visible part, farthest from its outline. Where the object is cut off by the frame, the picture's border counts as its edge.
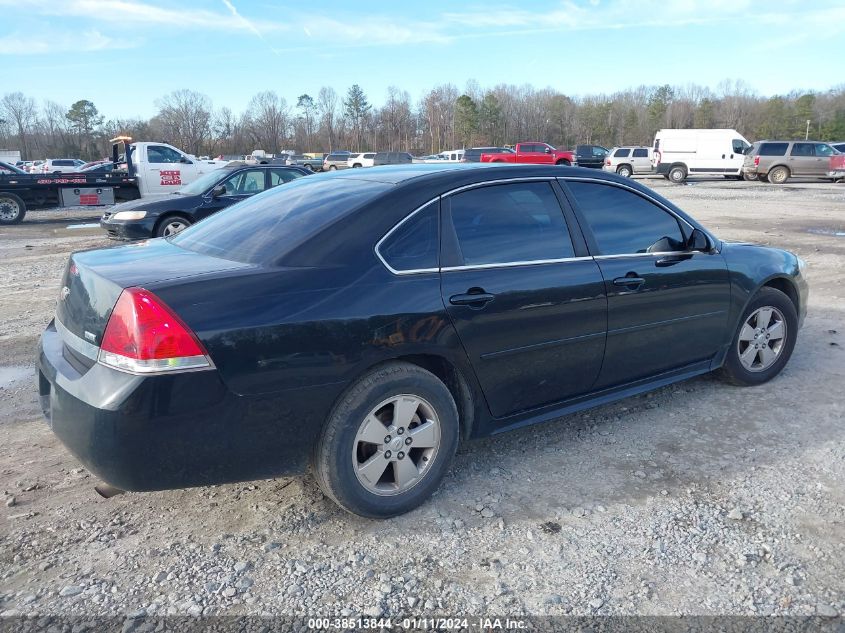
(15, 373)
(90, 225)
(832, 232)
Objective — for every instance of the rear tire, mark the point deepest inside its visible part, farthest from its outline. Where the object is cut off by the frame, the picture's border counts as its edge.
(171, 225)
(332, 167)
(677, 174)
(750, 177)
(778, 175)
(625, 171)
(756, 354)
(12, 208)
(399, 417)
(563, 163)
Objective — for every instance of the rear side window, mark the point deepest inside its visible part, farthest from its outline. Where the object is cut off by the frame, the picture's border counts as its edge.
(414, 245)
(516, 222)
(641, 153)
(622, 153)
(624, 223)
(773, 149)
(803, 149)
(280, 176)
(264, 228)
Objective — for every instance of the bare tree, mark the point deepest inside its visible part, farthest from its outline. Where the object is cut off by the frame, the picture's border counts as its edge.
(184, 119)
(327, 108)
(267, 120)
(21, 111)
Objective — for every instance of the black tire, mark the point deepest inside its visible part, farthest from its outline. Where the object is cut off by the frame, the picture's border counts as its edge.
(778, 175)
(332, 167)
(563, 163)
(625, 171)
(750, 177)
(763, 177)
(356, 165)
(677, 175)
(332, 459)
(733, 371)
(12, 208)
(308, 167)
(163, 226)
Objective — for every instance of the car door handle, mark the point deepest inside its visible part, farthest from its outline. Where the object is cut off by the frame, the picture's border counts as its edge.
(629, 281)
(472, 299)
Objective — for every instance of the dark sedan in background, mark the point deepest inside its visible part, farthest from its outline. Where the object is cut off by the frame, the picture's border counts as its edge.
(163, 216)
(364, 322)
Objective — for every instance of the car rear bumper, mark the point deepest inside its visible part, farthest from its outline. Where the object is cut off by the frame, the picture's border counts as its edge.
(170, 431)
(836, 173)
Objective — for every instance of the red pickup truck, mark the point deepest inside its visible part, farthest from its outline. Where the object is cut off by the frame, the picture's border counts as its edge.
(532, 152)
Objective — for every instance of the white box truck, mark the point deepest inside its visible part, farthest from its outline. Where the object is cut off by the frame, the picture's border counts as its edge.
(679, 153)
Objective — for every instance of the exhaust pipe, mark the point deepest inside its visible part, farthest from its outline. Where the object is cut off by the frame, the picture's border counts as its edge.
(107, 491)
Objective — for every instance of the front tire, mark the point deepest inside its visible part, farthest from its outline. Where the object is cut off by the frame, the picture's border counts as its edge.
(764, 340)
(388, 441)
(171, 225)
(332, 167)
(563, 163)
(12, 208)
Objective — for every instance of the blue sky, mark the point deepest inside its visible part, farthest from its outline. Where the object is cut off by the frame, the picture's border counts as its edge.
(124, 54)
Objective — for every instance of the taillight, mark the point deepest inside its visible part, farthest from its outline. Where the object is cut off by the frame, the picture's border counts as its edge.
(144, 336)
(756, 161)
(607, 162)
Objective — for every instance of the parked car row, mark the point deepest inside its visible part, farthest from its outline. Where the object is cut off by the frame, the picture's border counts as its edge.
(348, 160)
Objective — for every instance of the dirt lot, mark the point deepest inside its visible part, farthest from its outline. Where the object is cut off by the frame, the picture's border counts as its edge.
(700, 498)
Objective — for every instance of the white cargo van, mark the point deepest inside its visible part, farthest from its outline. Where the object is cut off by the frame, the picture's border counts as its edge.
(681, 153)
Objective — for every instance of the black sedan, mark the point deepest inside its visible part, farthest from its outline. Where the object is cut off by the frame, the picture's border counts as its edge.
(166, 215)
(367, 321)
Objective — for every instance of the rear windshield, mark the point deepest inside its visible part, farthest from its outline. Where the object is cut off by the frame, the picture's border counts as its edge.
(265, 227)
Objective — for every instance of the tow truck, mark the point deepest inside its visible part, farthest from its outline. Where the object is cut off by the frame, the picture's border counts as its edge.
(138, 170)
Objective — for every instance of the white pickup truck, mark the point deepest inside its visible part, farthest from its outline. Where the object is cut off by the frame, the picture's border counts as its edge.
(161, 168)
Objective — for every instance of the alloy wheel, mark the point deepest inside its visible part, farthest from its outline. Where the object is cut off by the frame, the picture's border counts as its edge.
(396, 444)
(761, 339)
(173, 227)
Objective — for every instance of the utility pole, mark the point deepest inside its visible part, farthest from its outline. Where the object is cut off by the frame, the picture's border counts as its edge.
(807, 134)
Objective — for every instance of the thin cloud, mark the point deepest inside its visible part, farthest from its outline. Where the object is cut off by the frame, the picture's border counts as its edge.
(132, 12)
(91, 40)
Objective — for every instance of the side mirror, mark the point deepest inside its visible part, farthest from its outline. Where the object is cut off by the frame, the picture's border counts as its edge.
(698, 241)
(218, 191)
(185, 160)
(548, 151)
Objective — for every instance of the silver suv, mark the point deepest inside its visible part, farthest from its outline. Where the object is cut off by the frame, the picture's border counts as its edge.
(336, 160)
(777, 161)
(629, 160)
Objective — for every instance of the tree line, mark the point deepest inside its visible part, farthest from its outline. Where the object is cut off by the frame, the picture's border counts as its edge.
(443, 118)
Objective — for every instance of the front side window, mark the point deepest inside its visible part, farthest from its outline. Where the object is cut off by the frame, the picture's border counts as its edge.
(245, 183)
(414, 244)
(519, 222)
(739, 146)
(599, 151)
(624, 223)
(641, 153)
(823, 149)
(162, 154)
(527, 148)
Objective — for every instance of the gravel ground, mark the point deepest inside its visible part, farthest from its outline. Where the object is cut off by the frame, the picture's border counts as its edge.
(700, 498)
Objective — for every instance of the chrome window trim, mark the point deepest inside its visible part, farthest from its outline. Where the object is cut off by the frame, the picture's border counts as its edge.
(655, 254)
(79, 344)
(533, 262)
(418, 271)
